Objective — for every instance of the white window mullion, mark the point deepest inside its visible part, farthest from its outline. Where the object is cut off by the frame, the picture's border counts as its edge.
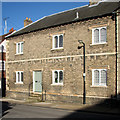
(93, 35)
(53, 77)
(17, 48)
(20, 48)
(58, 77)
(58, 41)
(99, 35)
(99, 77)
(92, 77)
(16, 77)
(53, 42)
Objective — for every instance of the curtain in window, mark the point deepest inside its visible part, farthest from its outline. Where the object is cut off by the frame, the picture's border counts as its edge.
(96, 36)
(56, 41)
(96, 77)
(61, 41)
(56, 76)
(21, 47)
(18, 76)
(21, 76)
(60, 77)
(103, 77)
(103, 35)
(18, 48)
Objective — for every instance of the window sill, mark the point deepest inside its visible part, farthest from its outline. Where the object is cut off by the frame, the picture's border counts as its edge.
(105, 43)
(99, 86)
(57, 49)
(19, 54)
(19, 83)
(56, 84)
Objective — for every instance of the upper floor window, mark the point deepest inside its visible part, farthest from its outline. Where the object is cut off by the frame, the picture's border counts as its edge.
(19, 76)
(57, 77)
(99, 35)
(99, 77)
(19, 48)
(57, 42)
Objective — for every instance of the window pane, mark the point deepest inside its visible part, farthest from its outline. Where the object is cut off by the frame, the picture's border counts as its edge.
(18, 47)
(96, 77)
(96, 36)
(61, 41)
(60, 77)
(21, 76)
(18, 77)
(103, 77)
(56, 41)
(21, 47)
(103, 35)
(56, 76)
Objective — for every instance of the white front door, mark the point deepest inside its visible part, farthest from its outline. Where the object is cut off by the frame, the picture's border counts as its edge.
(37, 81)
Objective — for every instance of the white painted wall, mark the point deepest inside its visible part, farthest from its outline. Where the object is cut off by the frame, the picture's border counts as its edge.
(4, 44)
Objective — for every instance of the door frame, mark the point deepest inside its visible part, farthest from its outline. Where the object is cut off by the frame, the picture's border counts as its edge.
(34, 80)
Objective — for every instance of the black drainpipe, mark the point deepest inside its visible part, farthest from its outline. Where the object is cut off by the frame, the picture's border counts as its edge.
(115, 15)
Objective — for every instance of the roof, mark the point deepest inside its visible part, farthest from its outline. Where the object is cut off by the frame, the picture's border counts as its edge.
(85, 12)
(2, 37)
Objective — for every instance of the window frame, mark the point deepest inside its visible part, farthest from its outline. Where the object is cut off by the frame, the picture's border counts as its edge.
(19, 82)
(53, 42)
(17, 50)
(99, 28)
(53, 78)
(99, 84)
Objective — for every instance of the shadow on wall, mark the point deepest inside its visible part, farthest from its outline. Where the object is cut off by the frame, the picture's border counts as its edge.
(5, 107)
(106, 109)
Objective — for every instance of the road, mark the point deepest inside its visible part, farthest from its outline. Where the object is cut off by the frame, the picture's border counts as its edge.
(12, 110)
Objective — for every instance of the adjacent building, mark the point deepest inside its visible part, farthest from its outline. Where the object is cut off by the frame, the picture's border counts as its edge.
(2, 62)
(43, 57)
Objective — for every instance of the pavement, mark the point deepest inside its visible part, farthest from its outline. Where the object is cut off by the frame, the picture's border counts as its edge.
(102, 109)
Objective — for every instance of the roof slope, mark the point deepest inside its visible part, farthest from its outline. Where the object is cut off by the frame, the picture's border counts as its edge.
(85, 12)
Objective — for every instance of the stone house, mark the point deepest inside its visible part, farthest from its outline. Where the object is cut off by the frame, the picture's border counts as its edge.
(43, 57)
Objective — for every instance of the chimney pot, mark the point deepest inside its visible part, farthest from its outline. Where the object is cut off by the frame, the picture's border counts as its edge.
(11, 30)
(27, 21)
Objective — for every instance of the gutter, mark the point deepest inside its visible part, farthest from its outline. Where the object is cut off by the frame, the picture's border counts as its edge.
(116, 51)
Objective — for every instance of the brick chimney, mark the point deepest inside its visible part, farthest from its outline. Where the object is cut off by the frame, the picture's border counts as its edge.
(27, 21)
(91, 2)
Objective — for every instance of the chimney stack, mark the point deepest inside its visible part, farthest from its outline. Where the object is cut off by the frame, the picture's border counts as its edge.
(92, 2)
(27, 21)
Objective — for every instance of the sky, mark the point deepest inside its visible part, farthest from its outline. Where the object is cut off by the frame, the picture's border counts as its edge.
(16, 12)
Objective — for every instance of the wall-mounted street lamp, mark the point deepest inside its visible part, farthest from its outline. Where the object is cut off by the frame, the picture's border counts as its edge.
(84, 91)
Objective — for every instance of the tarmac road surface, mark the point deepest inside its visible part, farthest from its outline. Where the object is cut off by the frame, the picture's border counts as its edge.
(13, 110)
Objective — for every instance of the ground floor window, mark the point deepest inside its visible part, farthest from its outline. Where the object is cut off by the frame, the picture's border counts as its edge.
(19, 76)
(99, 77)
(57, 77)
